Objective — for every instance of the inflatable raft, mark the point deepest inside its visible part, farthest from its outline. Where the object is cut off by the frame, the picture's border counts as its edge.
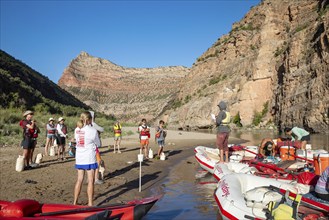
(208, 157)
(243, 196)
(31, 209)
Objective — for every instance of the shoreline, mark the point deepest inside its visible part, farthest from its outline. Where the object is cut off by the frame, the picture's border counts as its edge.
(53, 181)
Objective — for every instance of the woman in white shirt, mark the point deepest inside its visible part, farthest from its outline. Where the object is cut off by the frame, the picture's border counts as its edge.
(87, 140)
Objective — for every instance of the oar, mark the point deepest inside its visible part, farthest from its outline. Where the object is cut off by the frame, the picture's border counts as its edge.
(271, 167)
(305, 201)
(302, 158)
(86, 209)
(245, 149)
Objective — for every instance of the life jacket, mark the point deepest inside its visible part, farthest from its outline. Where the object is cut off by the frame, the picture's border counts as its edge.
(287, 208)
(145, 133)
(34, 132)
(26, 131)
(227, 119)
(64, 129)
(51, 131)
(158, 132)
(117, 129)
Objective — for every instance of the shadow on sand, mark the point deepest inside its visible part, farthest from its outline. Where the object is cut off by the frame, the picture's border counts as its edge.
(133, 184)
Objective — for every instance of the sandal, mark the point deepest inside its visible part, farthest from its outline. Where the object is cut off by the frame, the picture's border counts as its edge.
(28, 168)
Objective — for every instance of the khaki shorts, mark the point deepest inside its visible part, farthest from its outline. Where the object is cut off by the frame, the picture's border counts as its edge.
(116, 138)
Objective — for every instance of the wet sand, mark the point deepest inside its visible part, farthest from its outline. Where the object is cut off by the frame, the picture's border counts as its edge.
(53, 181)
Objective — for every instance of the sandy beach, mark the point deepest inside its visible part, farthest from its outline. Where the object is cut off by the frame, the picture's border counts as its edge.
(53, 181)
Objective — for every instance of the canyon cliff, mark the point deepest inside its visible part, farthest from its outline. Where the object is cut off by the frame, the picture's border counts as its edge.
(273, 63)
(271, 69)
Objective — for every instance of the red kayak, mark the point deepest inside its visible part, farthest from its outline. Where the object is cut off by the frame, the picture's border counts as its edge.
(31, 209)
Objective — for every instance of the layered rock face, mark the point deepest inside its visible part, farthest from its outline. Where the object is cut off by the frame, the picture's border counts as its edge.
(275, 61)
(129, 94)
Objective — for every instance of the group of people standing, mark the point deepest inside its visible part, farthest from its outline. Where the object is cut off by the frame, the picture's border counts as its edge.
(56, 132)
(145, 135)
(87, 143)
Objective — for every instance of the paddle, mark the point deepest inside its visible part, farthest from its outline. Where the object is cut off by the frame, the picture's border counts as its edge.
(245, 149)
(271, 167)
(85, 209)
(305, 201)
(302, 158)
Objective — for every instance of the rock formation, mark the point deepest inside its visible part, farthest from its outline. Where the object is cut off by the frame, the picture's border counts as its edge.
(275, 61)
(128, 93)
(271, 68)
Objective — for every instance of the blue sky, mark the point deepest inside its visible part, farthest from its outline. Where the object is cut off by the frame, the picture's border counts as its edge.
(47, 35)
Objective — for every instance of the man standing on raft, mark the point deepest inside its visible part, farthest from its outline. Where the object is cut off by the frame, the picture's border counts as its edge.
(223, 130)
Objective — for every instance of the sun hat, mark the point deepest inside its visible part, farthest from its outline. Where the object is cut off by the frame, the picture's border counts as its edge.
(28, 112)
(61, 119)
(51, 119)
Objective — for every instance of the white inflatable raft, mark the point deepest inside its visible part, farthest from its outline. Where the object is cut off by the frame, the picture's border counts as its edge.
(207, 158)
(222, 169)
(233, 188)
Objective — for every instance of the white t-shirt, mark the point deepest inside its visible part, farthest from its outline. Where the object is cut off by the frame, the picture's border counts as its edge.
(140, 128)
(87, 140)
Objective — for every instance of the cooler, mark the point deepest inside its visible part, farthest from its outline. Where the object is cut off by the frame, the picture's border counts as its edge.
(321, 161)
(286, 152)
(302, 153)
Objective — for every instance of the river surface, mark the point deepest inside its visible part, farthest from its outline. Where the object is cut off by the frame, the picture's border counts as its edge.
(189, 194)
(186, 196)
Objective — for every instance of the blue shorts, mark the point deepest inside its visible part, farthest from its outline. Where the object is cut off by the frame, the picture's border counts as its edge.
(51, 136)
(161, 143)
(93, 166)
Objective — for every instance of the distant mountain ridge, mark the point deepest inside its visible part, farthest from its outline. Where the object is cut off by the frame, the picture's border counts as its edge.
(128, 93)
(21, 86)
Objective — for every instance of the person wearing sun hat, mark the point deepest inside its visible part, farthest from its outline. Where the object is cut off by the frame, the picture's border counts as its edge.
(61, 134)
(26, 124)
(51, 134)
